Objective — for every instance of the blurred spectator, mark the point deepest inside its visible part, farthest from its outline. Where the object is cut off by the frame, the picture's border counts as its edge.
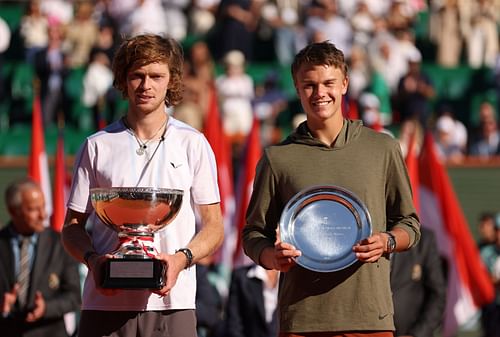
(405, 42)
(285, 17)
(253, 299)
(119, 11)
(97, 82)
(417, 277)
(448, 149)
(370, 113)
(235, 89)
(51, 69)
(202, 16)
(460, 132)
(386, 58)
(447, 34)
(363, 24)
(410, 128)
(34, 30)
(482, 34)
(60, 11)
(237, 23)
(415, 92)
(105, 42)
(176, 19)
(486, 229)
(488, 142)
(81, 35)
(359, 72)
(199, 75)
(323, 17)
(269, 102)
(399, 17)
(490, 315)
(148, 16)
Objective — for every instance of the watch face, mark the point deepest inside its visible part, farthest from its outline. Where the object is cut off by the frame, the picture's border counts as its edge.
(391, 244)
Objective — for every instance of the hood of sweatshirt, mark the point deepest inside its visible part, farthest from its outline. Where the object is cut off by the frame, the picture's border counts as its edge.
(351, 129)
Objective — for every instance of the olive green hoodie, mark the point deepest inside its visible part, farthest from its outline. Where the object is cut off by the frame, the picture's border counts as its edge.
(371, 166)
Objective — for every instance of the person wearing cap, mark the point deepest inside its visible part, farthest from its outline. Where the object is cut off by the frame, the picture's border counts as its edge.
(447, 149)
(490, 254)
(235, 89)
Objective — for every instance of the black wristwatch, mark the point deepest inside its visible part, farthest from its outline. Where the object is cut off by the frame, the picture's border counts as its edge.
(189, 256)
(391, 242)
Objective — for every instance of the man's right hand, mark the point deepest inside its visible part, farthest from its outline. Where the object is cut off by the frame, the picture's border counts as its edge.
(8, 300)
(280, 257)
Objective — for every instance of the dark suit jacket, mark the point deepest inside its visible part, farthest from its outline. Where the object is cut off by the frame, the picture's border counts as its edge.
(245, 313)
(54, 273)
(419, 288)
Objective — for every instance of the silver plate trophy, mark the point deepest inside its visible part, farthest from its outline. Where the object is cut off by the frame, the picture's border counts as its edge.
(324, 222)
(136, 213)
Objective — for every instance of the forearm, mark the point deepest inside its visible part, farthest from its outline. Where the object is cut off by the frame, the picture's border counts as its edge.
(211, 235)
(402, 239)
(75, 238)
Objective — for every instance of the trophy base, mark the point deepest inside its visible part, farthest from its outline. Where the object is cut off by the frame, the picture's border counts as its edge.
(133, 273)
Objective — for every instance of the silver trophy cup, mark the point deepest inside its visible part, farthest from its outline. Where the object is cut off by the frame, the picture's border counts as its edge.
(135, 213)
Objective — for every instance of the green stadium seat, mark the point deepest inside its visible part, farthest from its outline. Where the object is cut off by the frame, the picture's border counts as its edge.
(12, 13)
(17, 141)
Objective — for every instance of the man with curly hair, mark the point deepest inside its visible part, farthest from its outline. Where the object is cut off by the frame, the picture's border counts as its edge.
(146, 148)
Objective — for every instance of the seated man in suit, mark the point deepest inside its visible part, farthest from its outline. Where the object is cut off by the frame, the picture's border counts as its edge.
(39, 282)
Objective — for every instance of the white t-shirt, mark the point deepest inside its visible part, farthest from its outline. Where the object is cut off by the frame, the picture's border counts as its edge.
(185, 161)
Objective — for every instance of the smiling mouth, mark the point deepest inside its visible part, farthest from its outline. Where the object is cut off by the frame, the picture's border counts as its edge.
(322, 103)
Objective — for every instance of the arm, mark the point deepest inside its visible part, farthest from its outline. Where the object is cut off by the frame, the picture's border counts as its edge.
(78, 243)
(260, 238)
(211, 235)
(402, 220)
(204, 243)
(75, 238)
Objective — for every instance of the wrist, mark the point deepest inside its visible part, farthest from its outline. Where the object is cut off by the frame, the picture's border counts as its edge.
(390, 246)
(188, 255)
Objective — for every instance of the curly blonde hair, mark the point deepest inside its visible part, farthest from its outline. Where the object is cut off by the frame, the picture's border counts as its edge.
(141, 50)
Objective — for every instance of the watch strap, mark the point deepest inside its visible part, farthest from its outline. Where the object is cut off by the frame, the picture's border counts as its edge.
(391, 242)
(189, 256)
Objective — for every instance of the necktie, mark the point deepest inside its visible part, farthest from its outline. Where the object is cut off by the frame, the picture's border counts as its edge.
(24, 272)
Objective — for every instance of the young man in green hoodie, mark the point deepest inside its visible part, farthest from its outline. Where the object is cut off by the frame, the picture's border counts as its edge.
(329, 150)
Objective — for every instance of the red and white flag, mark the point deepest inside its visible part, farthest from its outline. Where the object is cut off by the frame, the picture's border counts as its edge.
(60, 186)
(411, 161)
(251, 154)
(469, 285)
(38, 165)
(220, 145)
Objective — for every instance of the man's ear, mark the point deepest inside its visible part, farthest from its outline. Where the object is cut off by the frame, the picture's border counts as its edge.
(345, 85)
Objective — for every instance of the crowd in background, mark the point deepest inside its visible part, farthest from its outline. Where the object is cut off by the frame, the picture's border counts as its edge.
(382, 40)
